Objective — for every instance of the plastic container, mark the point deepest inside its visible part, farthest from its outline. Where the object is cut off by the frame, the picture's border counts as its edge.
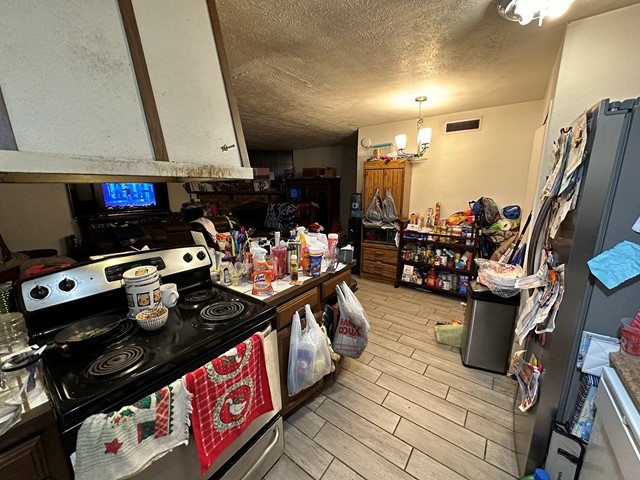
(293, 267)
(630, 341)
(280, 255)
(315, 261)
(13, 333)
(22, 372)
(261, 276)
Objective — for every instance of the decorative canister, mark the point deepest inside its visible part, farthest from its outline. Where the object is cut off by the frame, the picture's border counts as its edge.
(142, 286)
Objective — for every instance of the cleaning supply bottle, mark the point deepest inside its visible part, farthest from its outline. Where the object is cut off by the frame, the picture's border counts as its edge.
(293, 267)
(261, 276)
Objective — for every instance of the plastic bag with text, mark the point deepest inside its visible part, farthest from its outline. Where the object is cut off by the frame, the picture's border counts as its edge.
(309, 358)
(351, 337)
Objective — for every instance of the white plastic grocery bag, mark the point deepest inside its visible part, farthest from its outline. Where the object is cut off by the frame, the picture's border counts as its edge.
(309, 358)
(351, 336)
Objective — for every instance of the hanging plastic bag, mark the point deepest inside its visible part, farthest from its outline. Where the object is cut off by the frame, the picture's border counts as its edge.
(374, 212)
(389, 212)
(309, 358)
(351, 337)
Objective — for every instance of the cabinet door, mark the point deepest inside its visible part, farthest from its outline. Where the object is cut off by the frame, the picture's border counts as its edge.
(188, 85)
(394, 182)
(373, 179)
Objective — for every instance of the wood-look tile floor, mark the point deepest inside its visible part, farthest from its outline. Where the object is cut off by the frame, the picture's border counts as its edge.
(407, 408)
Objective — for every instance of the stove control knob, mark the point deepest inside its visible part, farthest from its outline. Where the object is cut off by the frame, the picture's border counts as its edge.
(66, 285)
(39, 292)
(187, 257)
(201, 255)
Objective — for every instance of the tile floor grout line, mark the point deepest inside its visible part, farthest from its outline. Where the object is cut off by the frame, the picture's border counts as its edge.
(440, 436)
(480, 399)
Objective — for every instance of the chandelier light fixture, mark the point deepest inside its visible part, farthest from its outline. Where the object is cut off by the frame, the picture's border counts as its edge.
(423, 135)
(524, 11)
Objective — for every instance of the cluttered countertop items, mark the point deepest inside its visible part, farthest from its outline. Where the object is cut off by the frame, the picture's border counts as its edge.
(21, 384)
(628, 369)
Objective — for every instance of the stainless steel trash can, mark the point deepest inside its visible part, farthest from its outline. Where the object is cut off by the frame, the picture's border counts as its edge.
(488, 329)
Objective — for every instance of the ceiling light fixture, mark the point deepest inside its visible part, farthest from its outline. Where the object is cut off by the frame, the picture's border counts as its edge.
(423, 135)
(524, 11)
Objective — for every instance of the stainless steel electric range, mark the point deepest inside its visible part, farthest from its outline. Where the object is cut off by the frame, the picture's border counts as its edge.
(103, 375)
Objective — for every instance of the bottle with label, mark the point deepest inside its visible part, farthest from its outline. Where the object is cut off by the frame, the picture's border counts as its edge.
(305, 262)
(293, 267)
(261, 276)
(225, 273)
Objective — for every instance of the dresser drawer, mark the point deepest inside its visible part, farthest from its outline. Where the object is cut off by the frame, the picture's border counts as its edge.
(383, 255)
(379, 268)
(285, 311)
(328, 288)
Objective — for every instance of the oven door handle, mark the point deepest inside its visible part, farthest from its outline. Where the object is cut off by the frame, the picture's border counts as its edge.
(267, 330)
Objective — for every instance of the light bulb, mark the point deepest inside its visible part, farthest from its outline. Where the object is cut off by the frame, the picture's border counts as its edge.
(424, 137)
(401, 141)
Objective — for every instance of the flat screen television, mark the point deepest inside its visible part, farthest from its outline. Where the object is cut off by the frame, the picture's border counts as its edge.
(92, 199)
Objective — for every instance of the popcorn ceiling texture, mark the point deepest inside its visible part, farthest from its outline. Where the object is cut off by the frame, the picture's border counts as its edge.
(308, 73)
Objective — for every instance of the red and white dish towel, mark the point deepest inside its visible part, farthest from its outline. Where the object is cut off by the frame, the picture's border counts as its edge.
(120, 444)
(228, 394)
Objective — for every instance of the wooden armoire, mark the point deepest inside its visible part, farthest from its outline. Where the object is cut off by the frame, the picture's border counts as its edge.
(379, 254)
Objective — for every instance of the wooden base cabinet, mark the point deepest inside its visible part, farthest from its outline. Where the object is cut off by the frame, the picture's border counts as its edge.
(321, 291)
(379, 262)
(32, 449)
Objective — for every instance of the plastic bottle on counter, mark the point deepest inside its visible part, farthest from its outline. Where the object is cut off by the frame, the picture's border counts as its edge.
(293, 267)
(261, 276)
(305, 263)
(225, 272)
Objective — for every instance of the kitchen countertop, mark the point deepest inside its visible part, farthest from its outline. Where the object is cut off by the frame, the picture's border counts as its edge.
(284, 290)
(628, 369)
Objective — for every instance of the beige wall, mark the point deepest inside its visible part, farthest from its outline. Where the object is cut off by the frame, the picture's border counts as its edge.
(461, 167)
(598, 61)
(318, 158)
(35, 215)
(342, 158)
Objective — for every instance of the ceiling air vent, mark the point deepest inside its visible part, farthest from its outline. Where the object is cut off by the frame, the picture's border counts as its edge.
(463, 125)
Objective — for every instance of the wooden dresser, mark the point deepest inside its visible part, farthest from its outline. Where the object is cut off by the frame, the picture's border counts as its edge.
(379, 254)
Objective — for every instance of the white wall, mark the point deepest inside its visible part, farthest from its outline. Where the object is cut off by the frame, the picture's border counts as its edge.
(460, 167)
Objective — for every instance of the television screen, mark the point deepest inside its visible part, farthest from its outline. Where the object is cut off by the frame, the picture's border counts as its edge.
(119, 196)
(89, 199)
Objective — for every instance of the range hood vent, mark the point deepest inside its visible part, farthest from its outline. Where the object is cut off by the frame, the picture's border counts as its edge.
(463, 125)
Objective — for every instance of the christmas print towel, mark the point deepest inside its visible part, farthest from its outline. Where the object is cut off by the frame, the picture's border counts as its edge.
(228, 394)
(120, 444)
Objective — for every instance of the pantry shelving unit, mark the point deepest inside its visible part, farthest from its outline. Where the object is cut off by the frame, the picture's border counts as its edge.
(417, 257)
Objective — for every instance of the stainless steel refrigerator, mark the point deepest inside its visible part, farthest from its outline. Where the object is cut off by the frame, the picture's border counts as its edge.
(608, 205)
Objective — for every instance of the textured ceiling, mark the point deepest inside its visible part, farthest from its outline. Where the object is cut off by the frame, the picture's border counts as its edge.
(308, 73)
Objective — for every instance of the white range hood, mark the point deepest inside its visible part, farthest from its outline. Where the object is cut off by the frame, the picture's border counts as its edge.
(102, 89)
